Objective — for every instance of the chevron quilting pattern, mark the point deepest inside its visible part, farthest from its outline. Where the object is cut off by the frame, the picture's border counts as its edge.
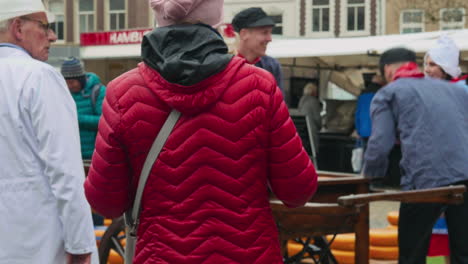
(207, 197)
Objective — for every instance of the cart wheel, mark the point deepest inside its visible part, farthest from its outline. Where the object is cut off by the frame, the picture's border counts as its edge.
(113, 238)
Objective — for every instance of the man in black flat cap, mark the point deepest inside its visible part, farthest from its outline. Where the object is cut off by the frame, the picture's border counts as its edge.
(254, 27)
(429, 116)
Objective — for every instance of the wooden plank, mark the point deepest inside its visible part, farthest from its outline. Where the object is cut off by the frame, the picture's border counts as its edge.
(332, 178)
(449, 194)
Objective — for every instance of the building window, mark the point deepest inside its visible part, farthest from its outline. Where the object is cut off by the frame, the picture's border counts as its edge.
(86, 15)
(320, 15)
(356, 14)
(452, 18)
(411, 21)
(57, 7)
(278, 28)
(117, 12)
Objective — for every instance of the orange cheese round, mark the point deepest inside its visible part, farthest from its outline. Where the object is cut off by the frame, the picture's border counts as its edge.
(343, 241)
(294, 248)
(387, 253)
(107, 221)
(343, 256)
(383, 237)
(392, 217)
(114, 258)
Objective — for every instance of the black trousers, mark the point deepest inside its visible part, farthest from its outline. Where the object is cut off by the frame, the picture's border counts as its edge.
(415, 225)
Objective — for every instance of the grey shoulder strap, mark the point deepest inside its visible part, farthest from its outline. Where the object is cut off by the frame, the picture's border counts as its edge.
(151, 158)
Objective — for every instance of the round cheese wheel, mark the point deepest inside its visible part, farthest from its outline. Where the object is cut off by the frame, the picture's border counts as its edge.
(387, 253)
(294, 248)
(343, 241)
(114, 258)
(392, 217)
(343, 256)
(383, 237)
(107, 221)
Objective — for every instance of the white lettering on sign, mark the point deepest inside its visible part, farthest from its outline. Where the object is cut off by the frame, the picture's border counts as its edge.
(126, 37)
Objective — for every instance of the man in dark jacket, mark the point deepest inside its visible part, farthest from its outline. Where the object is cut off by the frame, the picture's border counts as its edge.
(430, 117)
(254, 28)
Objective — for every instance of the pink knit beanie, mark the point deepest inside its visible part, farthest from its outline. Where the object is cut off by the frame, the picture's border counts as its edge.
(170, 12)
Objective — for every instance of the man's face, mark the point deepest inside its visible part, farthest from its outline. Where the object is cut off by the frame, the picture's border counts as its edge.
(433, 70)
(389, 71)
(73, 85)
(256, 39)
(35, 35)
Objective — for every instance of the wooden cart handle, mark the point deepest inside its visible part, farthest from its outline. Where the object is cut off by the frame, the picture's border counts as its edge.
(449, 195)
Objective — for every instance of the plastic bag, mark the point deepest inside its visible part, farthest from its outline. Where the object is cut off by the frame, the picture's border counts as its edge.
(357, 156)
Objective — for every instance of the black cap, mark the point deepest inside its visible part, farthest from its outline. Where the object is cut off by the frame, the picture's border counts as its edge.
(396, 55)
(251, 17)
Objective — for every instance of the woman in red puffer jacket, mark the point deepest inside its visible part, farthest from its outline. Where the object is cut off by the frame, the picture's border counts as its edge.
(207, 196)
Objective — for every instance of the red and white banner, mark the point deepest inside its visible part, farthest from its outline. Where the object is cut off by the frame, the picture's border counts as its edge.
(113, 37)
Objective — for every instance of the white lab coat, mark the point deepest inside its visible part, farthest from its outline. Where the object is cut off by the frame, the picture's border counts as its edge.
(43, 210)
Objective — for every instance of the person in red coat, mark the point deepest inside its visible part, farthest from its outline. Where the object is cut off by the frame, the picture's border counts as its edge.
(207, 196)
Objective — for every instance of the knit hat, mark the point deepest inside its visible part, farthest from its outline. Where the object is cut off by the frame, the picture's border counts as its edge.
(72, 68)
(446, 54)
(396, 55)
(251, 17)
(170, 12)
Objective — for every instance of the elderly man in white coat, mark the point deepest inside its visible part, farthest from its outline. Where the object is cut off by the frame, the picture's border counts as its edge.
(44, 215)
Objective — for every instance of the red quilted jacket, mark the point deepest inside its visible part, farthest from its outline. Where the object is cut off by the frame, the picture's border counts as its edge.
(207, 197)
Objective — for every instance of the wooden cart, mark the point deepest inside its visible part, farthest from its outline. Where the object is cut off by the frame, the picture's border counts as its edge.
(323, 215)
(341, 205)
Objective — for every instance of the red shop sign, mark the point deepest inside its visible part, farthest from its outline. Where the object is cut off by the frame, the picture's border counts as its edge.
(113, 37)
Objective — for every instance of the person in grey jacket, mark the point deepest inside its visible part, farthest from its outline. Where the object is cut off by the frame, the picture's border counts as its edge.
(430, 118)
(309, 105)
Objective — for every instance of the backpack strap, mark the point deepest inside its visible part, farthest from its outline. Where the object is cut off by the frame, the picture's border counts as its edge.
(94, 95)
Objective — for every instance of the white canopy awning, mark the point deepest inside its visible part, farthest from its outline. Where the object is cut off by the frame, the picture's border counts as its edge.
(346, 57)
(324, 48)
(354, 51)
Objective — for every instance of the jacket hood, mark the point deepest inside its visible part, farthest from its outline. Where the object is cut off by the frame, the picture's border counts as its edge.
(91, 80)
(193, 99)
(185, 54)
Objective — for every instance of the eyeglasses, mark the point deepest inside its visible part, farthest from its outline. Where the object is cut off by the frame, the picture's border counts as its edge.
(45, 26)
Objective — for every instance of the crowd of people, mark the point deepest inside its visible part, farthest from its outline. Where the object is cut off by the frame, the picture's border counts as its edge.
(206, 199)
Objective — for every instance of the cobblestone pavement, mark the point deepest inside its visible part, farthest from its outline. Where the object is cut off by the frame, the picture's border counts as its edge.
(379, 211)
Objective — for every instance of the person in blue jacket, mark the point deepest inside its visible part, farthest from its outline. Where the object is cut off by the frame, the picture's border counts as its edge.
(362, 119)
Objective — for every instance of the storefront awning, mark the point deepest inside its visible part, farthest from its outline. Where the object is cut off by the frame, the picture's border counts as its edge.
(110, 51)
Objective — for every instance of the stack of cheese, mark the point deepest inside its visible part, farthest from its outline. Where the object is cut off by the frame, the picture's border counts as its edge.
(383, 243)
(295, 247)
(114, 257)
(342, 247)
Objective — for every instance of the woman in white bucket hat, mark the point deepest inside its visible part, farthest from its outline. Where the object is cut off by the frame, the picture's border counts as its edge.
(442, 61)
